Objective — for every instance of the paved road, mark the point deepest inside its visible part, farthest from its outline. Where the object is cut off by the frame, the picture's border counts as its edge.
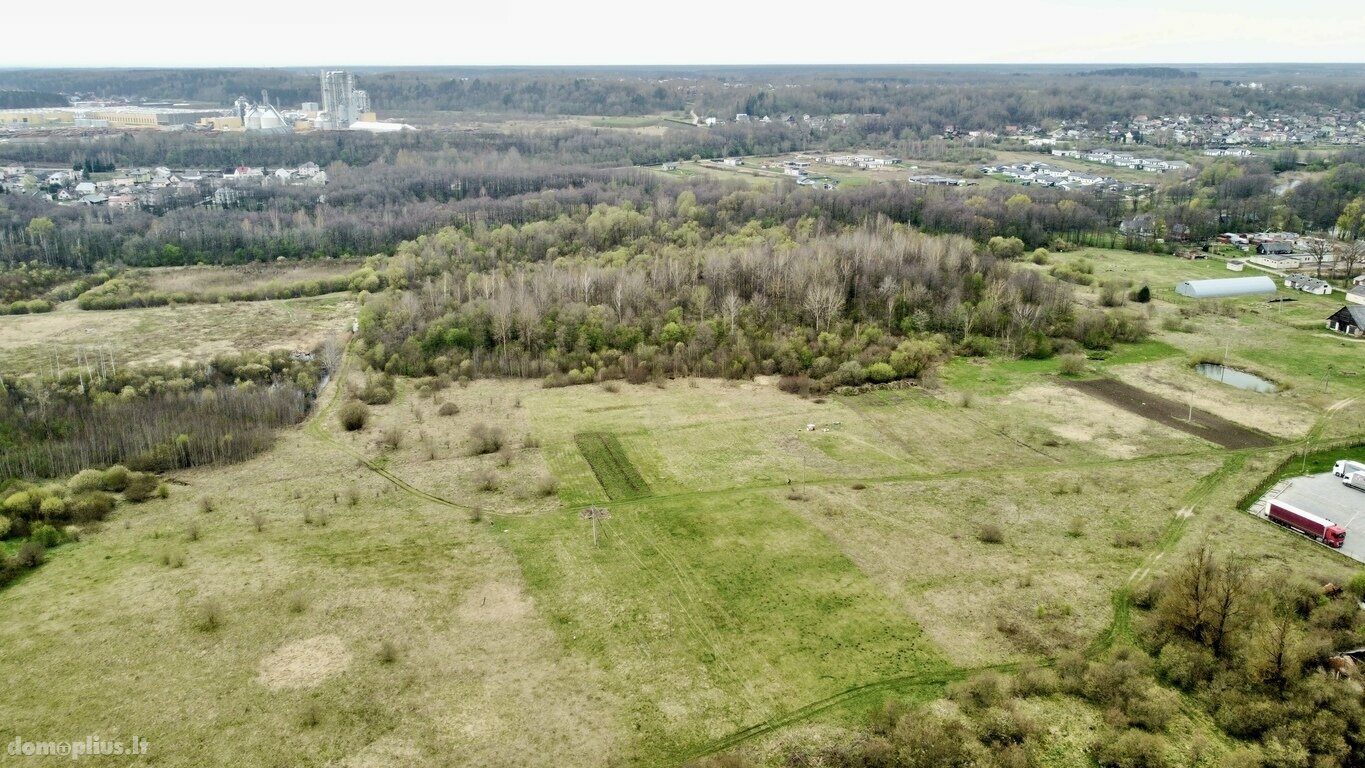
(1326, 496)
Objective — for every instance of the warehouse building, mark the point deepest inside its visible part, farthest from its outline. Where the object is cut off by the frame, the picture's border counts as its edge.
(1226, 287)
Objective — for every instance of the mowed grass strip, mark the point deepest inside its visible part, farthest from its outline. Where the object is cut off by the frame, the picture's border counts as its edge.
(610, 464)
(710, 616)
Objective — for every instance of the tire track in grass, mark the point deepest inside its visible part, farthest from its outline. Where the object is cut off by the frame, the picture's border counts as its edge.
(696, 625)
(1121, 625)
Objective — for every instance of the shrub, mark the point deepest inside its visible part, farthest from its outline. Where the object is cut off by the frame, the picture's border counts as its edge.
(391, 438)
(163, 491)
(1071, 365)
(1356, 586)
(1132, 749)
(880, 373)
(52, 508)
(208, 616)
(23, 504)
(485, 480)
(990, 534)
(30, 555)
(354, 415)
(505, 456)
(387, 653)
(140, 487)
(258, 521)
(115, 478)
(484, 439)
(192, 531)
(4, 526)
(90, 506)
(448, 409)
(44, 535)
(981, 691)
(86, 480)
(795, 385)
(172, 558)
(547, 485)
(206, 504)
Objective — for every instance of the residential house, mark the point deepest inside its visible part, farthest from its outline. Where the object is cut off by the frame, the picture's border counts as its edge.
(1348, 320)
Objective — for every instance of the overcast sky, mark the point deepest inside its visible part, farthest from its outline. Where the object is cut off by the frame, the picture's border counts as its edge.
(258, 33)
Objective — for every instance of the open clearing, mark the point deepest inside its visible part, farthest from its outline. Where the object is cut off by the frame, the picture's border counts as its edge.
(161, 335)
(407, 602)
(206, 279)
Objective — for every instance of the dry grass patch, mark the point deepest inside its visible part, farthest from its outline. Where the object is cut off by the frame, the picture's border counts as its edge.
(304, 663)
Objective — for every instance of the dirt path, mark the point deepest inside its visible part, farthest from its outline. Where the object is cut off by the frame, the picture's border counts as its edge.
(1215, 429)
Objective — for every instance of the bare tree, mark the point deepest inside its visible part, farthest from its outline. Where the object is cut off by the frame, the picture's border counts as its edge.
(1319, 248)
(594, 514)
(333, 351)
(729, 307)
(1351, 253)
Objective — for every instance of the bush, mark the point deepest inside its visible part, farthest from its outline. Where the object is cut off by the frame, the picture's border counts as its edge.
(52, 508)
(981, 691)
(1071, 365)
(547, 485)
(4, 526)
(86, 480)
(115, 478)
(484, 439)
(387, 653)
(140, 487)
(880, 373)
(391, 438)
(44, 536)
(30, 555)
(1356, 586)
(448, 409)
(354, 415)
(990, 534)
(486, 481)
(91, 506)
(1132, 749)
(206, 504)
(795, 385)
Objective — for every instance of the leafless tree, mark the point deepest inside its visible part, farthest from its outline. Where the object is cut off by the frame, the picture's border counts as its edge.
(1319, 248)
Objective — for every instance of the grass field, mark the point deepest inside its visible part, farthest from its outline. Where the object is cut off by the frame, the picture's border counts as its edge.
(401, 601)
(201, 279)
(169, 334)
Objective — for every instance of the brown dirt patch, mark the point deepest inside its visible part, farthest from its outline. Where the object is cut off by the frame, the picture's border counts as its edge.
(304, 663)
(1205, 425)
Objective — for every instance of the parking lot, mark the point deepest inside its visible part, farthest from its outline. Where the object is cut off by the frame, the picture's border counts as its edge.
(1324, 495)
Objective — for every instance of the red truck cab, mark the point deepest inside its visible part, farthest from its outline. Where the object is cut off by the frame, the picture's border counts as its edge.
(1335, 536)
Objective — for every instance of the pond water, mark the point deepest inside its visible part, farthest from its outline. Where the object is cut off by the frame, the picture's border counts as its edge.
(1236, 378)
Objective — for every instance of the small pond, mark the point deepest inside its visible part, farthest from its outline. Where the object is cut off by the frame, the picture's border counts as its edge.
(1236, 378)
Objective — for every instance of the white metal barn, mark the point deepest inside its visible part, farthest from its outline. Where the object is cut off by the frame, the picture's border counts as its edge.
(1225, 287)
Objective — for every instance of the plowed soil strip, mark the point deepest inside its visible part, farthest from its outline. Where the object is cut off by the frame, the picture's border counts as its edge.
(1215, 429)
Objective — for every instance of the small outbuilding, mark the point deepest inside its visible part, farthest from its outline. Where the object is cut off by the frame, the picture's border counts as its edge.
(1308, 284)
(1348, 320)
(1356, 295)
(1226, 287)
(1236, 266)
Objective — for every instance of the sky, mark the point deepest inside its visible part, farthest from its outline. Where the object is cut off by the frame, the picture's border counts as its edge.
(270, 33)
